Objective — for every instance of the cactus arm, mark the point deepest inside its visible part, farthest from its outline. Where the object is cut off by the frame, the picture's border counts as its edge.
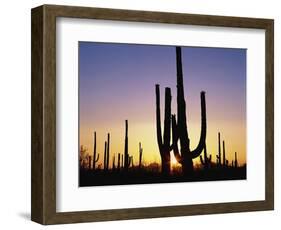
(202, 161)
(158, 118)
(218, 159)
(196, 152)
(164, 142)
(207, 160)
(98, 157)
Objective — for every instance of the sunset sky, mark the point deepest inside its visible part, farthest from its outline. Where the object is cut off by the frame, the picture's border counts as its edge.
(117, 82)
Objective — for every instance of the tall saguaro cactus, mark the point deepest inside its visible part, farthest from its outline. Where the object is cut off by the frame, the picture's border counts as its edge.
(185, 156)
(225, 161)
(164, 143)
(104, 156)
(107, 156)
(127, 159)
(140, 155)
(219, 151)
(106, 153)
(95, 157)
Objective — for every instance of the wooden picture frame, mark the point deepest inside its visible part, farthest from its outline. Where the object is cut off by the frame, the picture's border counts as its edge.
(43, 208)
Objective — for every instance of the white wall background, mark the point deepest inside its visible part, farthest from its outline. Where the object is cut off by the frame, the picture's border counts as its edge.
(15, 113)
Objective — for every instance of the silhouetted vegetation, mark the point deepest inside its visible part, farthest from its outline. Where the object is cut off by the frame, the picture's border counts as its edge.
(164, 143)
(152, 174)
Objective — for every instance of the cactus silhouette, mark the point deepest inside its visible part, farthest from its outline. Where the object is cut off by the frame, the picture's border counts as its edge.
(106, 153)
(104, 156)
(127, 159)
(95, 157)
(113, 163)
(118, 162)
(223, 154)
(206, 162)
(225, 161)
(107, 149)
(89, 162)
(164, 143)
(219, 151)
(140, 155)
(235, 161)
(83, 157)
(131, 160)
(185, 156)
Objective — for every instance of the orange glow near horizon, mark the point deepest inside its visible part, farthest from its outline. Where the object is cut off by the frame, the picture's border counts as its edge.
(146, 134)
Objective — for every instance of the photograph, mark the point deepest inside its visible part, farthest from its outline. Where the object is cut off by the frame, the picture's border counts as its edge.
(161, 114)
(175, 109)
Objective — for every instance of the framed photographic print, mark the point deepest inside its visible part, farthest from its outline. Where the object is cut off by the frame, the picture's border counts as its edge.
(141, 114)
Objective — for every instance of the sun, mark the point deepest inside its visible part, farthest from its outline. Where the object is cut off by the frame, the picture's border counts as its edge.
(173, 160)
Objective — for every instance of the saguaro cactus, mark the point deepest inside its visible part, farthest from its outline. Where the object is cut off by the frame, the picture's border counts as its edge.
(89, 162)
(235, 161)
(164, 143)
(206, 162)
(140, 155)
(223, 154)
(219, 151)
(83, 157)
(131, 160)
(225, 161)
(95, 157)
(127, 159)
(113, 163)
(108, 153)
(118, 162)
(104, 156)
(179, 127)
